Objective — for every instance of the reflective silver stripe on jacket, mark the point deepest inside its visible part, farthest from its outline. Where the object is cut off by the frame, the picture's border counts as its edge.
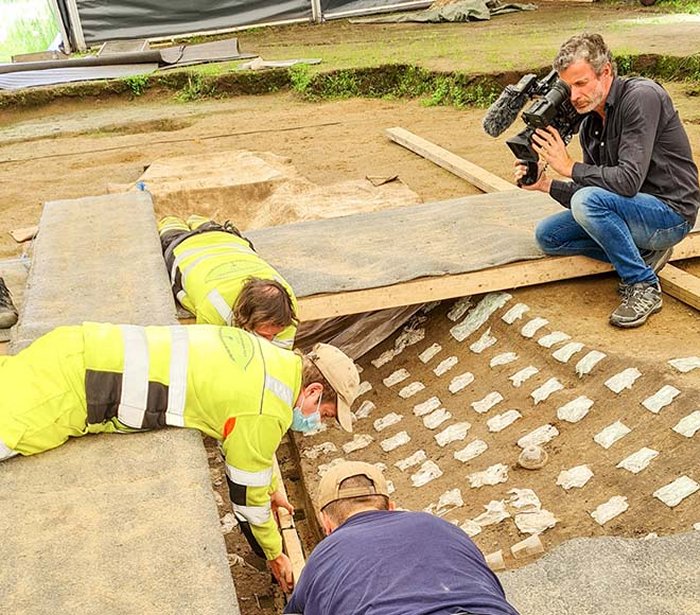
(134, 397)
(221, 306)
(278, 388)
(6, 452)
(249, 479)
(177, 389)
(283, 343)
(192, 251)
(255, 515)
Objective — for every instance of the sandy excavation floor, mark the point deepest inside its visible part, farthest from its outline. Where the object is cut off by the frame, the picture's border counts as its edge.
(68, 151)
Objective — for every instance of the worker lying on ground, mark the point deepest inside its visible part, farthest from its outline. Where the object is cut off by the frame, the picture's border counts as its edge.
(216, 275)
(8, 311)
(227, 383)
(388, 562)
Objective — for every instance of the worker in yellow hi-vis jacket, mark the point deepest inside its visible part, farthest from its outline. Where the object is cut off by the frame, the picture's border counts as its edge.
(223, 381)
(216, 275)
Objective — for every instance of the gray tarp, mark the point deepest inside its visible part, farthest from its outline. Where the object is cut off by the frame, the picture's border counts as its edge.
(468, 10)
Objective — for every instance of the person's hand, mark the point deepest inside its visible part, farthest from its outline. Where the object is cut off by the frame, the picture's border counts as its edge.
(551, 148)
(542, 183)
(278, 500)
(281, 568)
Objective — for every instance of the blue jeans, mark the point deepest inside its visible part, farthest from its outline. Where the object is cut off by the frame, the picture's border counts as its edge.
(613, 228)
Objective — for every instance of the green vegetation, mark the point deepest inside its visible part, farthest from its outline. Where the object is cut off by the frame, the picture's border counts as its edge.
(137, 84)
(679, 6)
(26, 34)
(196, 88)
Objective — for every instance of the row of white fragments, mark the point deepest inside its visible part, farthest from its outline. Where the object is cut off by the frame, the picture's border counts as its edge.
(481, 313)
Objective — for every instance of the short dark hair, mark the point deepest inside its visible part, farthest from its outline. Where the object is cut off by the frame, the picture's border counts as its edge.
(339, 510)
(588, 47)
(263, 302)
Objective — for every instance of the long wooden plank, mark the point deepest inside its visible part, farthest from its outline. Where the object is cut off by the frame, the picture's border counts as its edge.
(290, 538)
(423, 290)
(681, 285)
(482, 179)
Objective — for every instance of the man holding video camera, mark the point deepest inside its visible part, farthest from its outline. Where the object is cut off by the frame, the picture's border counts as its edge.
(635, 195)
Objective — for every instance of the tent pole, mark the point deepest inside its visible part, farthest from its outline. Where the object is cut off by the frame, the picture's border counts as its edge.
(316, 11)
(61, 26)
(75, 25)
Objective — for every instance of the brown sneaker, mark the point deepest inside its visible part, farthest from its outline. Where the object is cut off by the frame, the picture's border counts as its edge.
(8, 311)
(639, 302)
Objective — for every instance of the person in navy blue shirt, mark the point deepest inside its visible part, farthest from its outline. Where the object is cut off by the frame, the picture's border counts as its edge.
(382, 561)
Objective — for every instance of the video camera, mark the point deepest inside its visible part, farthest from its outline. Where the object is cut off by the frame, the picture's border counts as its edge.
(552, 108)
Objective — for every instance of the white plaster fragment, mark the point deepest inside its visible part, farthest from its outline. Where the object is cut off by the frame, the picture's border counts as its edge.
(515, 313)
(445, 365)
(437, 418)
(387, 421)
(429, 352)
(533, 327)
(488, 402)
(479, 315)
(567, 351)
(365, 409)
(662, 398)
(324, 467)
(409, 336)
(541, 435)
(448, 501)
(542, 392)
(319, 429)
(471, 451)
(575, 410)
(495, 513)
(411, 389)
(429, 307)
(493, 475)
(394, 442)
(501, 421)
(228, 522)
(685, 364)
(588, 362)
(611, 434)
(459, 309)
(459, 382)
(674, 493)
(359, 367)
(636, 462)
(413, 460)
(503, 359)
(535, 522)
(555, 337)
(428, 471)
(320, 449)
(624, 380)
(470, 528)
(455, 432)
(390, 487)
(384, 358)
(615, 506)
(427, 406)
(364, 387)
(688, 426)
(519, 377)
(359, 441)
(485, 341)
(395, 377)
(574, 477)
(523, 500)
(380, 466)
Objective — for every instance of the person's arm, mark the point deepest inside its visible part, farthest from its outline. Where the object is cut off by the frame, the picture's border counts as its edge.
(249, 450)
(641, 115)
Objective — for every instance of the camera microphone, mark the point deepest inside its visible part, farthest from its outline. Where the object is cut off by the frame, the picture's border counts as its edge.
(502, 113)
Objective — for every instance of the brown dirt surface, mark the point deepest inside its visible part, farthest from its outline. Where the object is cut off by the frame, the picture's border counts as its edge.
(74, 149)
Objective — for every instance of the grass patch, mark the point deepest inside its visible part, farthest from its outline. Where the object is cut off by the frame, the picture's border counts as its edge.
(27, 34)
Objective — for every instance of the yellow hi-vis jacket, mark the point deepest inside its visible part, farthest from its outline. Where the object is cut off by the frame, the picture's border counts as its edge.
(229, 384)
(209, 271)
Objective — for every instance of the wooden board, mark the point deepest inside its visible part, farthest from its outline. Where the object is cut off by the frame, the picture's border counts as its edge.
(482, 179)
(290, 538)
(681, 285)
(423, 290)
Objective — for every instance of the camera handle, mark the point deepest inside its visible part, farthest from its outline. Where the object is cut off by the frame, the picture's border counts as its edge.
(531, 175)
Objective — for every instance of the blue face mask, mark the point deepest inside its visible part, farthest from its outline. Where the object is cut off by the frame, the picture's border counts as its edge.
(303, 423)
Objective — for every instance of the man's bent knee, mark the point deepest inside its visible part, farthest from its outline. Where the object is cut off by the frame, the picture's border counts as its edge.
(545, 237)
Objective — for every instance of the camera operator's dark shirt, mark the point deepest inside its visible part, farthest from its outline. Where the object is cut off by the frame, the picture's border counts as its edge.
(641, 147)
